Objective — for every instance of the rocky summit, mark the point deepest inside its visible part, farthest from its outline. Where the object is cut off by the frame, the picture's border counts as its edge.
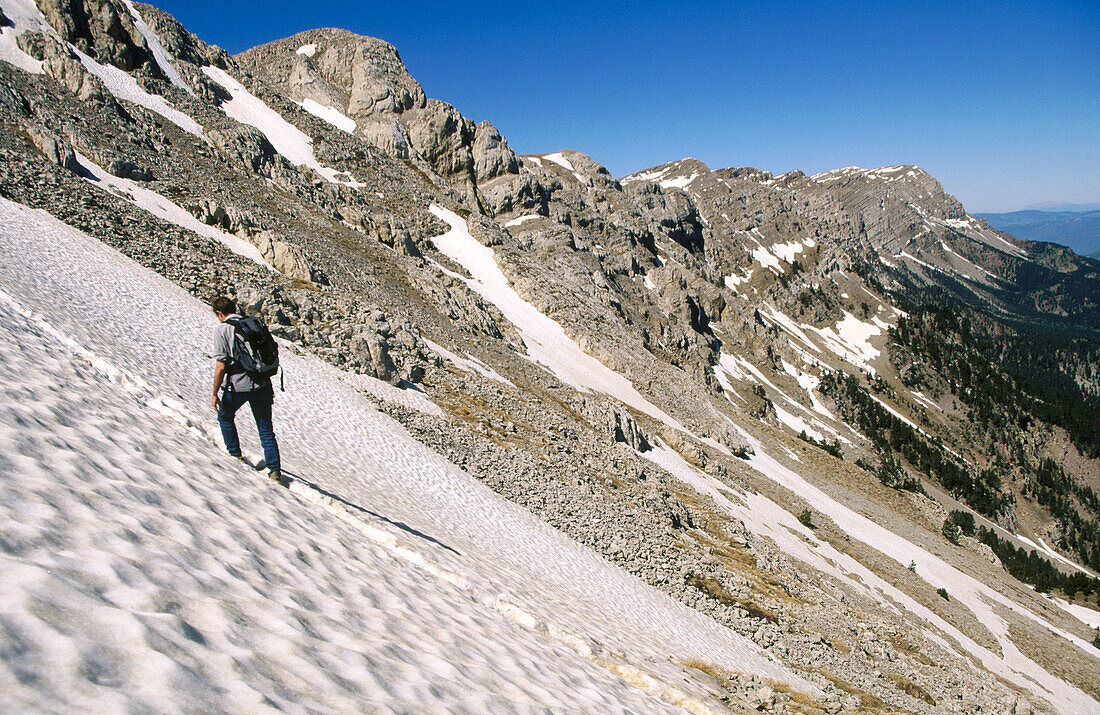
(833, 417)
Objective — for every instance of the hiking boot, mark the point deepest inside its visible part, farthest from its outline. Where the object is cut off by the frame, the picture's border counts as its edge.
(276, 476)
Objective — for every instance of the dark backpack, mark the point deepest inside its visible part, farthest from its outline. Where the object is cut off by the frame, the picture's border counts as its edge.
(255, 352)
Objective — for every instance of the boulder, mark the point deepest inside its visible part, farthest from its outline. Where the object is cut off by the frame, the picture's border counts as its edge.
(387, 135)
(372, 352)
(289, 260)
(492, 155)
(53, 148)
(442, 136)
(613, 420)
(126, 169)
(246, 146)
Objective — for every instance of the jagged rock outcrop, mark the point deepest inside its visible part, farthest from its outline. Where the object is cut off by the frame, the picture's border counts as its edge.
(365, 79)
(103, 30)
(54, 149)
(615, 421)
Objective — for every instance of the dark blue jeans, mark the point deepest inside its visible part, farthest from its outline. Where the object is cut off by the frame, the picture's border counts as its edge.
(260, 401)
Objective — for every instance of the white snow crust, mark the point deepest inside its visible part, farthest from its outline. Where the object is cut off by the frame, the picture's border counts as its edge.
(522, 220)
(13, 55)
(163, 208)
(288, 140)
(467, 364)
(768, 260)
(332, 115)
(849, 339)
(125, 87)
(308, 50)
(766, 518)
(679, 182)
(559, 159)
(787, 251)
(145, 569)
(24, 15)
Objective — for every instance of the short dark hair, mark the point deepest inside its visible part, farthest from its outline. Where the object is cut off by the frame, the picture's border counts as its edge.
(224, 305)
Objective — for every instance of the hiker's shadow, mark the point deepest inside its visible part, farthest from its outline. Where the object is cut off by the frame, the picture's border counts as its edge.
(399, 524)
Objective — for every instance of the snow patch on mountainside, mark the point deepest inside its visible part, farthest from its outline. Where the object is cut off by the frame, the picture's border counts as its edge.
(24, 16)
(125, 87)
(979, 598)
(679, 182)
(13, 55)
(545, 339)
(522, 220)
(849, 339)
(290, 141)
(329, 114)
(766, 518)
(165, 209)
(559, 159)
(467, 364)
(163, 60)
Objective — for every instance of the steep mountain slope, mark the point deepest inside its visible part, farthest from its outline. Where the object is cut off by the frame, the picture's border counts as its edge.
(754, 393)
(438, 593)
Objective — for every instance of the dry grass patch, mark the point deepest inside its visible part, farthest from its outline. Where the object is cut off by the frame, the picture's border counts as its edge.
(733, 556)
(715, 590)
(799, 701)
(714, 671)
(912, 689)
(477, 412)
(904, 646)
(867, 702)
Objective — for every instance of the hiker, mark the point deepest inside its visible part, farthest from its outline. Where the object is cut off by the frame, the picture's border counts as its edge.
(236, 367)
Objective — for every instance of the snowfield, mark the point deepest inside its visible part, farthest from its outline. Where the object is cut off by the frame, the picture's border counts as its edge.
(146, 569)
(290, 141)
(329, 114)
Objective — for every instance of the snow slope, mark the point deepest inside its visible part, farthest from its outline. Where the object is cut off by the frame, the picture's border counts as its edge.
(26, 16)
(329, 114)
(145, 569)
(163, 60)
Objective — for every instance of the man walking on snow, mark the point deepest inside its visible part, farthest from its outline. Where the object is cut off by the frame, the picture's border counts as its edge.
(240, 388)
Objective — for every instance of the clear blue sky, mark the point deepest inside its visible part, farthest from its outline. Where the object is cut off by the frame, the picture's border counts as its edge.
(1000, 101)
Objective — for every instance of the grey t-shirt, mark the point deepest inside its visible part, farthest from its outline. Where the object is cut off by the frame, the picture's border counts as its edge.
(223, 350)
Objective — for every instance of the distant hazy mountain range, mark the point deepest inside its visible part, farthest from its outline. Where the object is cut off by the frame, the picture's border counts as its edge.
(1074, 225)
(1054, 206)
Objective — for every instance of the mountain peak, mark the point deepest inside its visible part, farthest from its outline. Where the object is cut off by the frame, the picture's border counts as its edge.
(675, 174)
(884, 173)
